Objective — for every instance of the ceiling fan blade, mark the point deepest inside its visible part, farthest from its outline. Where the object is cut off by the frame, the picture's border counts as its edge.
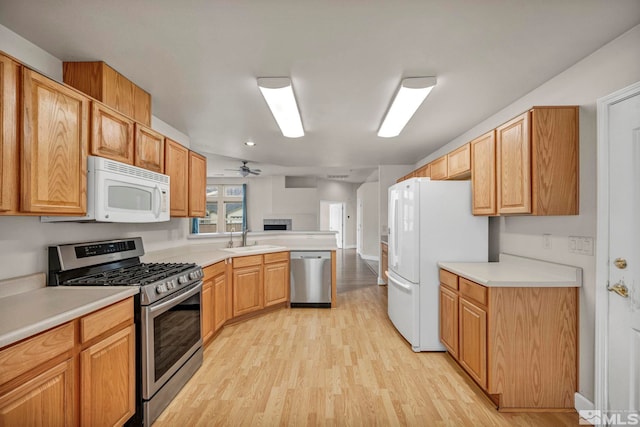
(257, 170)
(254, 172)
(233, 170)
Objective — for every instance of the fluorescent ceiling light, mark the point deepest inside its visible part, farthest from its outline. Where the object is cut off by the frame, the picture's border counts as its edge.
(250, 144)
(278, 93)
(410, 95)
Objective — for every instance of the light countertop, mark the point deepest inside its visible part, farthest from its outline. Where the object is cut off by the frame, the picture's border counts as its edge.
(205, 254)
(515, 271)
(29, 313)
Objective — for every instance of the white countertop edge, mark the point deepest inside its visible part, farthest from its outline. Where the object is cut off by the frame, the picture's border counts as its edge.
(211, 236)
(513, 271)
(42, 325)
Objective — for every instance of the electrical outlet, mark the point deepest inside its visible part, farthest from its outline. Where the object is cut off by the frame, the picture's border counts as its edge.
(581, 245)
(546, 241)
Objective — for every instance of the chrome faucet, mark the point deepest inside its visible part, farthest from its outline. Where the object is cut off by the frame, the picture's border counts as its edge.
(244, 236)
(230, 243)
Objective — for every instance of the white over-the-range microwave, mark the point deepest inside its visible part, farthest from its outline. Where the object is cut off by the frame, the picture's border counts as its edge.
(117, 192)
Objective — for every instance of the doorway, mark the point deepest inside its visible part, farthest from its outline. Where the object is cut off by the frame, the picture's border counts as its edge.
(618, 259)
(332, 218)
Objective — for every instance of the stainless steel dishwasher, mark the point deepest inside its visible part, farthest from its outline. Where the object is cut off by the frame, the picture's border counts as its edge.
(311, 279)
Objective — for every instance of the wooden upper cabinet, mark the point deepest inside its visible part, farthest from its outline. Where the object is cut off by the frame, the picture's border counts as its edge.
(459, 163)
(514, 166)
(424, 171)
(483, 174)
(439, 168)
(141, 105)
(149, 149)
(55, 139)
(111, 134)
(9, 162)
(100, 81)
(176, 165)
(197, 185)
(537, 162)
(555, 160)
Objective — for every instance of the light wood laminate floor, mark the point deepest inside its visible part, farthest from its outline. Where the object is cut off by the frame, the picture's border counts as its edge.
(345, 366)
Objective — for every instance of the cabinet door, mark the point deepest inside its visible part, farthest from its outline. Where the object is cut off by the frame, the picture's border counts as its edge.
(276, 283)
(176, 165)
(107, 383)
(384, 261)
(9, 162)
(513, 144)
(111, 134)
(449, 320)
(197, 185)
(473, 341)
(247, 290)
(46, 400)
(149, 146)
(54, 147)
(219, 301)
(459, 163)
(439, 168)
(118, 91)
(141, 106)
(207, 310)
(483, 174)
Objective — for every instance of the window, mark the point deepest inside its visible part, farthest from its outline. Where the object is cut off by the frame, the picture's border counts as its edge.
(226, 210)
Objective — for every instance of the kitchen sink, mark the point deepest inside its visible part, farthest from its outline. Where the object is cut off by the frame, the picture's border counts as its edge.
(255, 249)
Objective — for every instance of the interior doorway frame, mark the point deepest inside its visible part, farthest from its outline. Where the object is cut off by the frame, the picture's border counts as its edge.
(602, 242)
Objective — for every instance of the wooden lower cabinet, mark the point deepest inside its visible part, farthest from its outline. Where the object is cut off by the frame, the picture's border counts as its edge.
(473, 341)
(219, 301)
(206, 326)
(276, 278)
(518, 343)
(85, 368)
(214, 299)
(46, 400)
(384, 260)
(247, 285)
(107, 380)
(449, 320)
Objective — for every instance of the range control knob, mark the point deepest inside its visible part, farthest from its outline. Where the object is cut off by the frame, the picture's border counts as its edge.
(182, 279)
(161, 288)
(171, 284)
(194, 275)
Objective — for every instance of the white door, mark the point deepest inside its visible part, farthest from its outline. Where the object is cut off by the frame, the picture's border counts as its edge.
(336, 222)
(359, 214)
(618, 385)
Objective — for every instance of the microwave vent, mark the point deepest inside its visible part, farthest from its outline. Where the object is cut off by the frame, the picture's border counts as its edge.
(135, 171)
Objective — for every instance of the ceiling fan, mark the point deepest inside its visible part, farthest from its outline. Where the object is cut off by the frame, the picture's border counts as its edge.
(245, 170)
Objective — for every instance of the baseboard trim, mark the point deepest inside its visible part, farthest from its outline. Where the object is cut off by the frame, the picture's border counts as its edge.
(381, 281)
(350, 247)
(581, 404)
(370, 257)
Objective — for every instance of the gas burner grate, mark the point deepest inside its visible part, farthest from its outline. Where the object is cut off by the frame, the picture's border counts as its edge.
(135, 275)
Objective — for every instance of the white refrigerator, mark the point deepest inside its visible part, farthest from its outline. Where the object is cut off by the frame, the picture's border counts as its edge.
(429, 221)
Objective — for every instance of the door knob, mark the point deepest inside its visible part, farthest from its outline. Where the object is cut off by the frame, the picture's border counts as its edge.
(621, 263)
(619, 288)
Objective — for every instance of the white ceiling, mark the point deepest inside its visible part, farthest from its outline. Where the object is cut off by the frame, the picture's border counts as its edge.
(200, 59)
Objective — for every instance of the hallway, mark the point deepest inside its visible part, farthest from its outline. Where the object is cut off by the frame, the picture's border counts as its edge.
(340, 366)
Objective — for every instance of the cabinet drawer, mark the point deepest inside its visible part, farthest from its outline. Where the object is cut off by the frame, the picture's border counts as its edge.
(473, 291)
(101, 321)
(449, 279)
(276, 257)
(26, 355)
(245, 261)
(214, 270)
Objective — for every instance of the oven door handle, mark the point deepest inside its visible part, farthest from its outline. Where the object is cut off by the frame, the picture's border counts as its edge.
(176, 299)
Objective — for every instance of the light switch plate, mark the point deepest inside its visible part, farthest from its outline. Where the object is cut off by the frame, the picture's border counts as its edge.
(581, 245)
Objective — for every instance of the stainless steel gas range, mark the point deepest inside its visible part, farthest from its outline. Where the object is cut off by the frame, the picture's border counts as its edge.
(168, 312)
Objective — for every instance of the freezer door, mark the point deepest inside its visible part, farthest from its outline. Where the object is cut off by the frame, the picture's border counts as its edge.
(404, 309)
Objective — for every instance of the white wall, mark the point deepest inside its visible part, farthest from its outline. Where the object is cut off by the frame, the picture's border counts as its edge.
(367, 196)
(24, 240)
(612, 67)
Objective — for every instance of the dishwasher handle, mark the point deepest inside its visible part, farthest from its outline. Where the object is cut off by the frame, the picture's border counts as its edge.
(311, 255)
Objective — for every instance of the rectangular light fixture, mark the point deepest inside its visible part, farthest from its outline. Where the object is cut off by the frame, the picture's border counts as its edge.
(409, 97)
(278, 93)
